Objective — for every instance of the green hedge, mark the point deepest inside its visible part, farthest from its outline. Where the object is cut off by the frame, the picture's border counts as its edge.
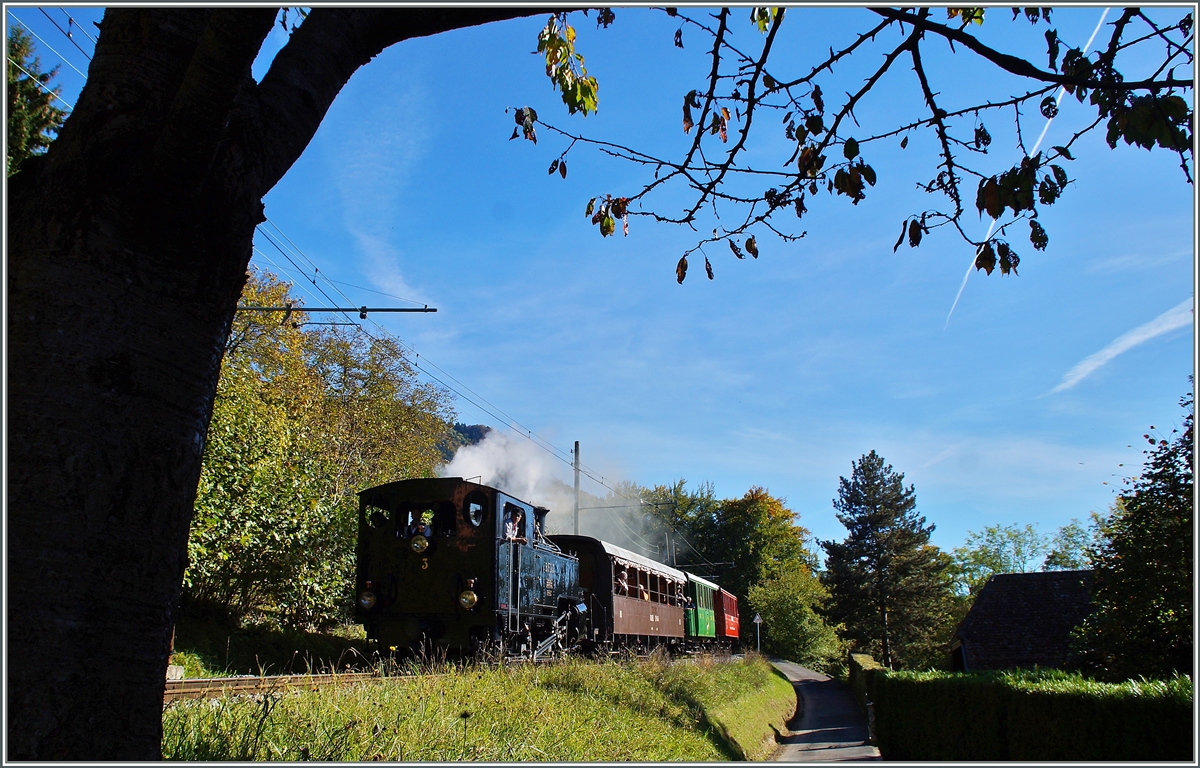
(1027, 715)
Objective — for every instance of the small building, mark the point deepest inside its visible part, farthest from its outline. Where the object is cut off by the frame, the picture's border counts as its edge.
(1022, 620)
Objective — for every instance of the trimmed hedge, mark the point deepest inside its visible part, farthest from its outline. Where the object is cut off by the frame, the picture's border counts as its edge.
(1026, 715)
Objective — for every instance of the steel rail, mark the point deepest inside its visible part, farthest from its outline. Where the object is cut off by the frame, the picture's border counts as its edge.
(213, 687)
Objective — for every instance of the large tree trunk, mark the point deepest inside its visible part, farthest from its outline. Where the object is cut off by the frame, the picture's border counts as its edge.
(127, 249)
(121, 292)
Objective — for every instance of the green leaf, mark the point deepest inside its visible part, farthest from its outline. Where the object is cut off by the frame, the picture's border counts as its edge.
(591, 206)
(850, 149)
(1064, 152)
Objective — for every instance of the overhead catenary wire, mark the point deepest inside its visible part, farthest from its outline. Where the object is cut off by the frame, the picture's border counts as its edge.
(43, 42)
(65, 33)
(71, 22)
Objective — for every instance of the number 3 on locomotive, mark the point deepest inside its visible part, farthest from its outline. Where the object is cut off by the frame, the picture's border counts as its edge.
(424, 563)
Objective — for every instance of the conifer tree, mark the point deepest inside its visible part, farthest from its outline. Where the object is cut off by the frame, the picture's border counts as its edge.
(1141, 621)
(33, 119)
(889, 587)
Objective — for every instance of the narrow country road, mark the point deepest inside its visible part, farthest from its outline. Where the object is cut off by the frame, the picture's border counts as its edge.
(828, 725)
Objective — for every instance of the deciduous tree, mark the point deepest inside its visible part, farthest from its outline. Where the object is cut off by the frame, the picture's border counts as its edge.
(789, 601)
(996, 549)
(1141, 621)
(304, 418)
(1073, 545)
(889, 587)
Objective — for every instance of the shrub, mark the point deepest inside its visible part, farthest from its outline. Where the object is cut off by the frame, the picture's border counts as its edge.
(1028, 715)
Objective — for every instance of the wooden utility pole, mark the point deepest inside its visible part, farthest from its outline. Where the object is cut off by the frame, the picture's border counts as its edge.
(576, 487)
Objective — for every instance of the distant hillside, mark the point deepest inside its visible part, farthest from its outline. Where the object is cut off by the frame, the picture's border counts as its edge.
(462, 434)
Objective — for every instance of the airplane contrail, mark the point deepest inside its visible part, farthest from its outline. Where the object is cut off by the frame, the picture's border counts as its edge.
(1176, 317)
(1032, 152)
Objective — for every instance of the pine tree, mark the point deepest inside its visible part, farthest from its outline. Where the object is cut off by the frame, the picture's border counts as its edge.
(33, 120)
(1141, 621)
(889, 587)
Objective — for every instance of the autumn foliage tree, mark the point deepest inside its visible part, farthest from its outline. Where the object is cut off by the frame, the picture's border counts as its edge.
(305, 416)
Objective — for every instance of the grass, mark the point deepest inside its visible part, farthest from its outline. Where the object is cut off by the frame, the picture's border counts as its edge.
(577, 710)
(208, 648)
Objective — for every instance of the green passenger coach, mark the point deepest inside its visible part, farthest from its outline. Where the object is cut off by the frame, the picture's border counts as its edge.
(700, 620)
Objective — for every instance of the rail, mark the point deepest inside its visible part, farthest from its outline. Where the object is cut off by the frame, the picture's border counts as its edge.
(212, 687)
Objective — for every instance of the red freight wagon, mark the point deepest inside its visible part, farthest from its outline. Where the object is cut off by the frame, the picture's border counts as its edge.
(726, 610)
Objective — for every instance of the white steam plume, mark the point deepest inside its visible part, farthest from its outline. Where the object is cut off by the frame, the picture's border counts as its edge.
(521, 469)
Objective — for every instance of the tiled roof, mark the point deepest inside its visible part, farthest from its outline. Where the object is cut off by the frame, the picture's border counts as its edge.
(1024, 619)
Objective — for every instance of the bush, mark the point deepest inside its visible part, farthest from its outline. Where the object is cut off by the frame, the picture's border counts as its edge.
(1028, 715)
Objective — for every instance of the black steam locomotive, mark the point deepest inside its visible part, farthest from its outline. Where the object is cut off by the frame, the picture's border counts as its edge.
(458, 565)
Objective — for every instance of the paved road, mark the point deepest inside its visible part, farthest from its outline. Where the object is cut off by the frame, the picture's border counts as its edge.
(828, 725)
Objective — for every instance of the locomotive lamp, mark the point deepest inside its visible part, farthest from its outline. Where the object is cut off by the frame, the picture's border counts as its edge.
(467, 598)
(366, 598)
(419, 543)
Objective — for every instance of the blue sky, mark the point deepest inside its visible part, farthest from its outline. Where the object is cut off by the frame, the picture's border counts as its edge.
(785, 369)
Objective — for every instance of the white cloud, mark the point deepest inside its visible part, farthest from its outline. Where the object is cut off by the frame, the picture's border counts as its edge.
(1176, 317)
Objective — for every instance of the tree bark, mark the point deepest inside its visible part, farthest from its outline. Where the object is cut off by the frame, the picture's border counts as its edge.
(127, 249)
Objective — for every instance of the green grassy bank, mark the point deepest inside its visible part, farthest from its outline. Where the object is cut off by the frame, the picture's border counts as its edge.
(574, 711)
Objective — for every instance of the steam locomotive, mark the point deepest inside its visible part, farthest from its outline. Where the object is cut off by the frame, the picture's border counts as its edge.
(459, 566)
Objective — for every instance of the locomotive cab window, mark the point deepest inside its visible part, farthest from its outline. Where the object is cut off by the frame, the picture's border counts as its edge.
(376, 517)
(475, 508)
(515, 524)
(429, 520)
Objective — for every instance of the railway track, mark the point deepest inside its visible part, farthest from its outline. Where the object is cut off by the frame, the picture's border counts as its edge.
(213, 687)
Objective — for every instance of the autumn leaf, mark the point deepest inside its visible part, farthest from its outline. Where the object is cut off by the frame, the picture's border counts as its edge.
(850, 149)
(985, 258)
(736, 251)
(553, 168)
(751, 247)
(914, 233)
(679, 38)
(1037, 235)
(591, 206)
(562, 169)
(903, 231)
(681, 270)
(707, 268)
